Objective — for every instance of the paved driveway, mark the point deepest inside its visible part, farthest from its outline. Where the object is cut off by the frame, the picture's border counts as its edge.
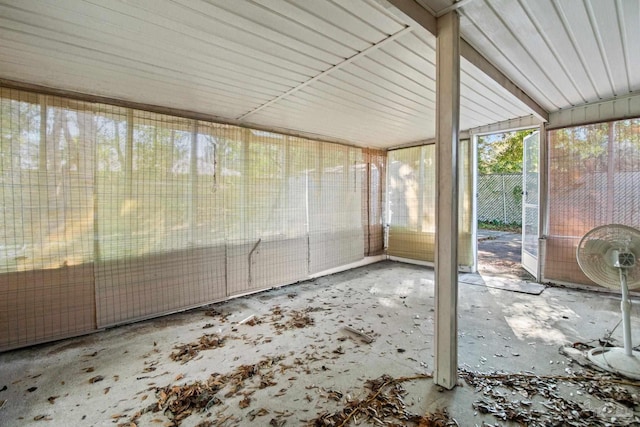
(499, 254)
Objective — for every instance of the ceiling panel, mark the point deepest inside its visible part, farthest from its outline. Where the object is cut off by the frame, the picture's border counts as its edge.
(350, 70)
(483, 26)
(563, 53)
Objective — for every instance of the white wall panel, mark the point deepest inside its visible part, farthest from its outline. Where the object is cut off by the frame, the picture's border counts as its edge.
(615, 109)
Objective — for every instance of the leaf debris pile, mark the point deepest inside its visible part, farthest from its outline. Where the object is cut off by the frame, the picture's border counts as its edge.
(222, 317)
(180, 401)
(498, 389)
(188, 351)
(297, 319)
(383, 405)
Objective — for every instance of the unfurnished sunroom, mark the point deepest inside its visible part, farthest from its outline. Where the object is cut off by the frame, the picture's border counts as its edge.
(162, 156)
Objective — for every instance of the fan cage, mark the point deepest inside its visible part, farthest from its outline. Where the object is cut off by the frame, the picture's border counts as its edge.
(593, 262)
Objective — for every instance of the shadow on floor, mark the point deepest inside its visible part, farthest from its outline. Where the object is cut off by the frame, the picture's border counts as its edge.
(499, 254)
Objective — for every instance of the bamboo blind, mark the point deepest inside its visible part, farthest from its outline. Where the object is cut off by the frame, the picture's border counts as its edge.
(594, 179)
(412, 198)
(112, 215)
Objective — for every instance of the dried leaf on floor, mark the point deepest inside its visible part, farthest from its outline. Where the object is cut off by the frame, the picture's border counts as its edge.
(187, 352)
(257, 413)
(554, 408)
(384, 405)
(244, 403)
(95, 379)
(181, 401)
(42, 418)
(222, 317)
(277, 422)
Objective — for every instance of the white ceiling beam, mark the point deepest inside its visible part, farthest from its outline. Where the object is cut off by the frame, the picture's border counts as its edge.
(325, 73)
(519, 123)
(414, 13)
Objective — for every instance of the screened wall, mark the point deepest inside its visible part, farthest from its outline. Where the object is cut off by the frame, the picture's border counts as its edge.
(594, 179)
(412, 203)
(374, 173)
(111, 215)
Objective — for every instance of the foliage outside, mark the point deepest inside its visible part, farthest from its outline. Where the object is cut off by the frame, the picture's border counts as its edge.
(501, 153)
(500, 226)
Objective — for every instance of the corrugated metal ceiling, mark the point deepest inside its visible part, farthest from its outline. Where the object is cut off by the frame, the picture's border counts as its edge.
(350, 70)
(562, 53)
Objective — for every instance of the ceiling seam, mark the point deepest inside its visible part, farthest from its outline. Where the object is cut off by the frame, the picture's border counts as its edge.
(598, 37)
(376, 5)
(381, 65)
(625, 48)
(364, 94)
(552, 50)
(313, 13)
(359, 18)
(330, 99)
(474, 108)
(498, 93)
(256, 24)
(307, 27)
(529, 54)
(216, 41)
(398, 90)
(419, 55)
(134, 67)
(558, 9)
(498, 108)
(328, 71)
(479, 29)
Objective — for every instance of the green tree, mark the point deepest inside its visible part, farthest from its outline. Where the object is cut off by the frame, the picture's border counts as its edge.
(501, 153)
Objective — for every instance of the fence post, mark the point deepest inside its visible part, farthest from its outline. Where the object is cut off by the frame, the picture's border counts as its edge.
(504, 202)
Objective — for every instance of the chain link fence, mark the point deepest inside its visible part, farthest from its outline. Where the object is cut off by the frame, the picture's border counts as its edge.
(500, 198)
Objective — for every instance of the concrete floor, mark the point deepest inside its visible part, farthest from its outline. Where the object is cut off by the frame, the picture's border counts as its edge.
(103, 379)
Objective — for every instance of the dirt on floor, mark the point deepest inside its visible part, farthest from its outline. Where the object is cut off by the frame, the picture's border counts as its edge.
(354, 348)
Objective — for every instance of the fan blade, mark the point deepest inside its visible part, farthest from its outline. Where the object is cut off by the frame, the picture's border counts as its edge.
(596, 247)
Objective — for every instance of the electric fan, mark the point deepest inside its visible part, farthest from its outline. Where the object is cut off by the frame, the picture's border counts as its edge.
(610, 256)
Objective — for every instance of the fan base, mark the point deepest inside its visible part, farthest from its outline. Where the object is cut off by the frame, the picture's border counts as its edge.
(614, 359)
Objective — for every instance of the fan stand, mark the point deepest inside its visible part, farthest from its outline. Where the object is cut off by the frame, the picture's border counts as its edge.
(622, 361)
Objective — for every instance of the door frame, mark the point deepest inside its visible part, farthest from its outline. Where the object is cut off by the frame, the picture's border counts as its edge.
(530, 261)
(542, 189)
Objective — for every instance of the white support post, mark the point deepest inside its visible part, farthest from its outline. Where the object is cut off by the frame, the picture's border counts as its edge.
(446, 260)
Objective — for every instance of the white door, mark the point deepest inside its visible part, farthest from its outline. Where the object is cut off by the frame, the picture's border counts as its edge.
(530, 211)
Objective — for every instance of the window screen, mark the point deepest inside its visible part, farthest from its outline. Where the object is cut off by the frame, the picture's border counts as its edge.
(412, 203)
(373, 170)
(111, 214)
(594, 171)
